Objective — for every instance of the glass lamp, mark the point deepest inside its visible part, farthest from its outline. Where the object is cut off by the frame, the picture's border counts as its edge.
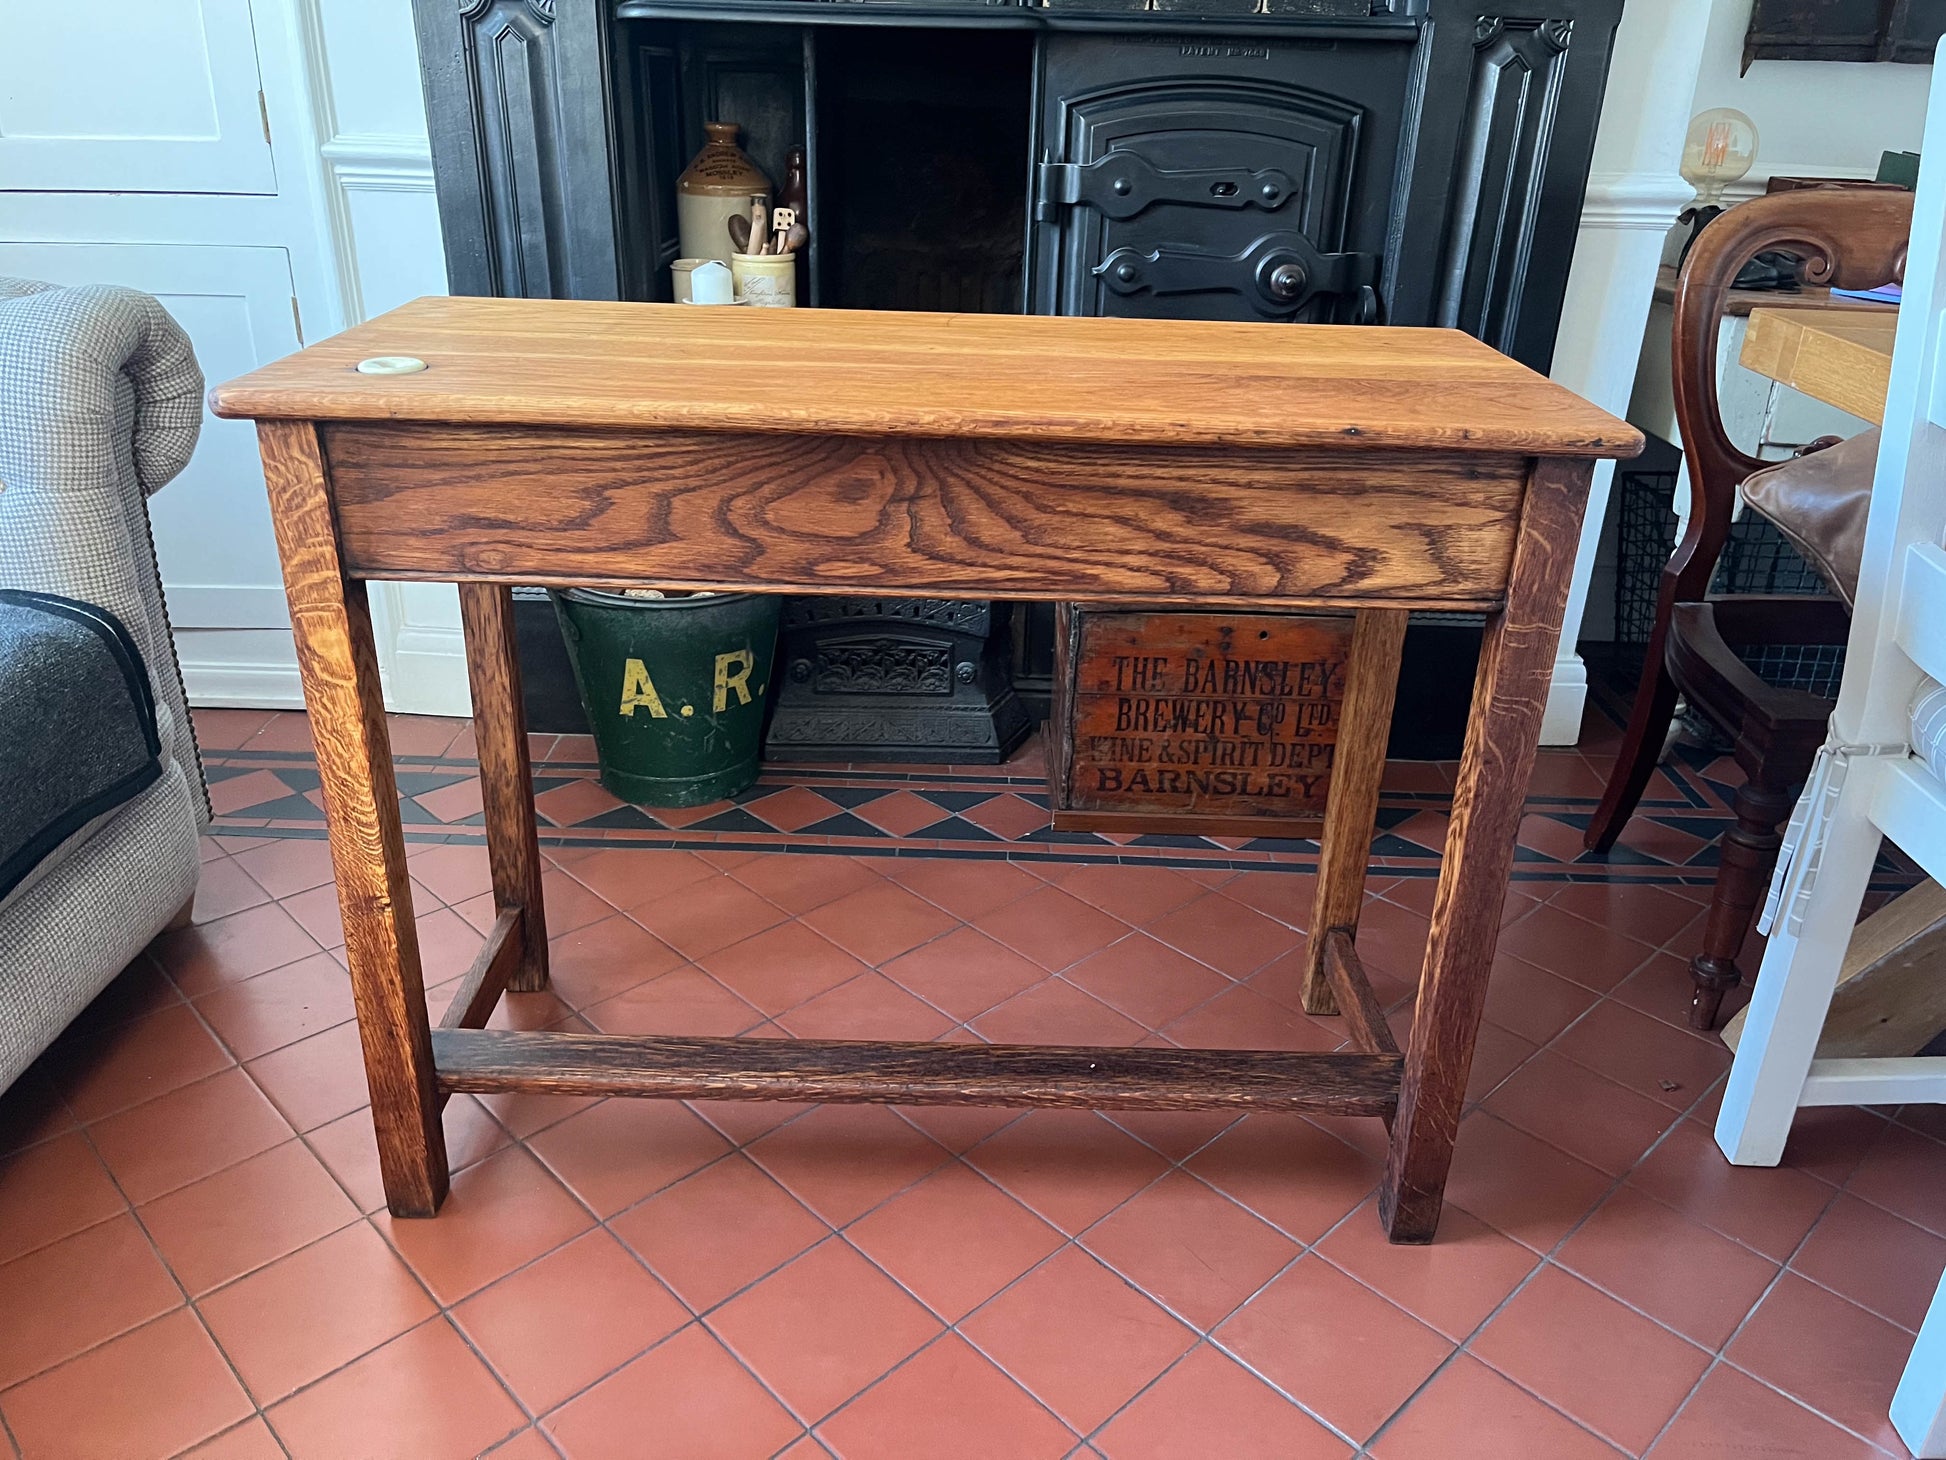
(1721, 149)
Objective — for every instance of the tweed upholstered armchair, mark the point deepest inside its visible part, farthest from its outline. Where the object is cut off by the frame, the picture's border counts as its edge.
(101, 793)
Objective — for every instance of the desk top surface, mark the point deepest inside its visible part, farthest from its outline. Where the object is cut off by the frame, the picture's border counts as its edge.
(853, 372)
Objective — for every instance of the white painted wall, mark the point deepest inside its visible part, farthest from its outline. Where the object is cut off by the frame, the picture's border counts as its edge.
(1814, 118)
(1634, 194)
(147, 164)
(1675, 58)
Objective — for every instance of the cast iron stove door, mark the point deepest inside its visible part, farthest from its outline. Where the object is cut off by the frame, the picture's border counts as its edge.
(1215, 179)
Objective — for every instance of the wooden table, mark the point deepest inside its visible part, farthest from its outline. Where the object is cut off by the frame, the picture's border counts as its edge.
(1843, 358)
(820, 451)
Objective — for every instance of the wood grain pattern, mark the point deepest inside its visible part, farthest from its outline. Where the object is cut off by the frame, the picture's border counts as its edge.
(806, 514)
(1371, 685)
(884, 374)
(331, 623)
(486, 979)
(1509, 699)
(850, 1071)
(1891, 995)
(1365, 1017)
(1842, 360)
(506, 778)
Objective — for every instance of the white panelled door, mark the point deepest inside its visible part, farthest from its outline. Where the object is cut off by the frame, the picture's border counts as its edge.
(132, 96)
(212, 524)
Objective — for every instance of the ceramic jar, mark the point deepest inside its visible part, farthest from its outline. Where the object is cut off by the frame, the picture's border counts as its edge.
(717, 185)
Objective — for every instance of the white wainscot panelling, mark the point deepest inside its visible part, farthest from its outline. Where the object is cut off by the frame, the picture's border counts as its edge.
(145, 96)
(212, 524)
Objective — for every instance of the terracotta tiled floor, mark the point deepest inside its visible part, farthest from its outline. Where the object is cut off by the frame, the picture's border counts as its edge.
(194, 1256)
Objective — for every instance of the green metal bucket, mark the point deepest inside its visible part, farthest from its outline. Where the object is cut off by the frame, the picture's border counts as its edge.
(674, 689)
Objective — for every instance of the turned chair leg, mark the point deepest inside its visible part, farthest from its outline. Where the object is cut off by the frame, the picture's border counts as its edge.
(1744, 864)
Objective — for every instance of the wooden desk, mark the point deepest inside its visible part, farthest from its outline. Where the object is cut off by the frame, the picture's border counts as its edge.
(1841, 358)
(815, 451)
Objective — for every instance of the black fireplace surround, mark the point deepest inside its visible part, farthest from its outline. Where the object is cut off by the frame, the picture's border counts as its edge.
(1286, 161)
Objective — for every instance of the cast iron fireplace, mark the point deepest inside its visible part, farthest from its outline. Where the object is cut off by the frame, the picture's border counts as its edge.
(1293, 162)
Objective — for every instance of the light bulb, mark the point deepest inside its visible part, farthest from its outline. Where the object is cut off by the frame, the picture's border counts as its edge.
(1721, 148)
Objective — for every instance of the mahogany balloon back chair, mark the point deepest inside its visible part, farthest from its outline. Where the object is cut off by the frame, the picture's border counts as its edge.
(1847, 239)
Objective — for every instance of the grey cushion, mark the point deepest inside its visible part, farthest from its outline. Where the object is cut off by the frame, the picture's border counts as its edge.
(100, 404)
(77, 726)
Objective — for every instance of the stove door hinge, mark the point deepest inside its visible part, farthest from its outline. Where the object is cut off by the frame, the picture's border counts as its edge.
(1123, 184)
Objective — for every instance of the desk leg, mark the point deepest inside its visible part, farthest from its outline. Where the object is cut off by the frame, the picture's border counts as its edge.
(332, 625)
(1351, 809)
(506, 777)
(1509, 699)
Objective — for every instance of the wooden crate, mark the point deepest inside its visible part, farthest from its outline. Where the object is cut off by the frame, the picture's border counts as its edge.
(1217, 724)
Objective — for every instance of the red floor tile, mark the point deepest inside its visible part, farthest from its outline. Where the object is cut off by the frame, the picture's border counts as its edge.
(1532, 1002)
(719, 1231)
(964, 973)
(1135, 894)
(1519, 1184)
(617, 1152)
(1642, 1054)
(309, 1298)
(1215, 930)
(274, 1009)
(965, 889)
(1210, 1405)
(553, 1328)
(423, 1396)
(316, 1310)
(954, 1240)
(1353, 1356)
(1732, 1414)
(1603, 1364)
(1905, 1173)
(1056, 1012)
(246, 1215)
(161, 1144)
(1288, 1171)
(1147, 980)
(869, 1006)
(315, 1080)
(80, 1291)
(1078, 1337)
(1190, 1247)
(1471, 1413)
(236, 947)
(823, 1327)
(153, 1392)
(843, 1160)
(51, 1191)
(1451, 1285)
(1556, 940)
(1073, 1167)
(1769, 1208)
(704, 1403)
(705, 916)
(1875, 1259)
(948, 1403)
(1678, 1272)
(137, 1061)
(1826, 1353)
(1588, 1116)
(502, 1213)
(879, 922)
